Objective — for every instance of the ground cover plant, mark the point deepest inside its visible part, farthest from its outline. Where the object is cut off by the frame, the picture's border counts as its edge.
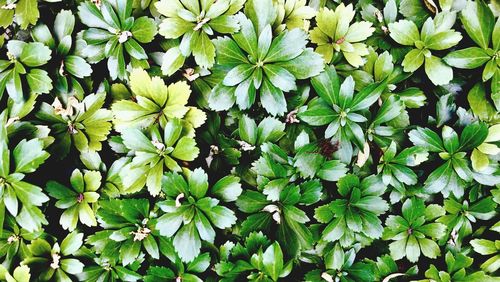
(249, 140)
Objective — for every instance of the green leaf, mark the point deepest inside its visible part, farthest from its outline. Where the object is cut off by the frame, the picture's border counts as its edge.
(198, 183)
(134, 139)
(39, 81)
(71, 243)
(307, 64)
(238, 74)
(64, 24)
(318, 114)
(484, 247)
(227, 188)
(273, 260)
(404, 32)
(261, 13)
(272, 99)
(246, 38)
(280, 77)
(72, 266)
(228, 52)
(443, 40)
(186, 149)
(479, 104)
(251, 201)
(221, 98)
(479, 160)
(270, 130)
(204, 51)
(437, 71)
(413, 60)
(29, 155)
(367, 96)
(468, 58)
(248, 130)
(412, 249)
(144, 29)
(473, 135)
(439, 178)
(200, 263)
(173, 60)
(478, 21)
(35, 54)
(222, 217)
(429, 248)
(287, 45)
(427, 139)
(450, 139)
(27, 12)
(187, 242)
(77, 66)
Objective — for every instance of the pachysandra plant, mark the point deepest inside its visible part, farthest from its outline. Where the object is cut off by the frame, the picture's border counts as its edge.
(23, 12)
(480, 156)
(19, 198)
(339, 264)
(341, 109)
(334, 35)
(257, 259)
(14, 241)
(312, 159)
(488, 248)
(78, 199)
(113, 32)
(386, 267)
(276, 208)
(455, 173)
(236, 255)
(259, 63)
(396, 169)
(154, 102)
(195, 22)
(21, 273)
(479, 23)
(128, 230)
(193, 209)
(55, 261)
(460, 215)
(23, 67)
(293, 14)
(456, 270)
(108, 269)
(414, 232)
(251, 140)
(83, 124)
(380, 18)
(191, 271)
(72, 66)
(436, 35)
(153, 153)
(354, 216)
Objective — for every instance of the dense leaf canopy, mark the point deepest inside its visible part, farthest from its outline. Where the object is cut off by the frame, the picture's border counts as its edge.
(249, 140)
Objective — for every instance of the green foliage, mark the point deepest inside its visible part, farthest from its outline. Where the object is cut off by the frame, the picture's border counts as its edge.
(191, 214)
(354, 217)
(414, 232)
(435, 35)
(72, 64)
(257, 62)
(21, 66)
(334, 34)
(113, 33)
(249, 140)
